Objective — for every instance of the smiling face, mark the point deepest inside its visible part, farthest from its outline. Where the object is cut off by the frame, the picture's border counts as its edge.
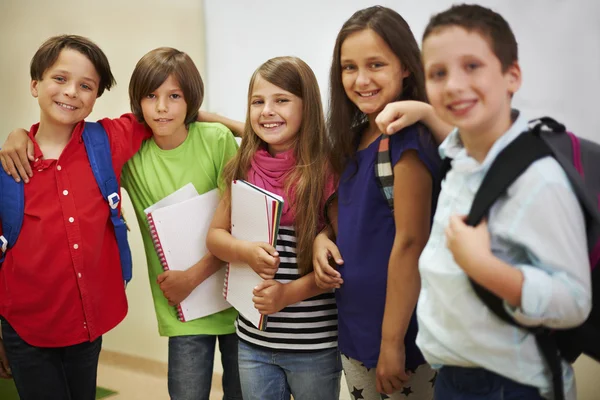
(275, 115)
(164, 111)
(67, 91)
(465, 81)
(371, 73)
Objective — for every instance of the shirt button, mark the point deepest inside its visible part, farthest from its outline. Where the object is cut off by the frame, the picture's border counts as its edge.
(59, 167)
(79, 274)
(75, 246)
(65, 192)
(71, 219)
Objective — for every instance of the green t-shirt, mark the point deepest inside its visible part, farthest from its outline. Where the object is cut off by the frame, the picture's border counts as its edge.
(153, 174)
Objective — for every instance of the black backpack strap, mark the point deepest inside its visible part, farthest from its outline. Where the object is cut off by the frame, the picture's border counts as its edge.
(506, 168)
(503, 172)
(445, 167)
(546, 341)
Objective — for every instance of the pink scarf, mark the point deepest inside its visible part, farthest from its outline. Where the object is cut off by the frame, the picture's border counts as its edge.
(270, 173)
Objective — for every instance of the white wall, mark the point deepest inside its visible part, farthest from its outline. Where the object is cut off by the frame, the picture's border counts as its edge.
(125, 30)
(559, 47)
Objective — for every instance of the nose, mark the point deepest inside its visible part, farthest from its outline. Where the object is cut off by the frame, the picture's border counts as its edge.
(71, 89)
(267, 110)
(455, 81)
(161, 105)
(363, 78)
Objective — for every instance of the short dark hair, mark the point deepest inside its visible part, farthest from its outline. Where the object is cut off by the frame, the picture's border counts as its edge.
(49, 51)
(486, 22)
(154, 68)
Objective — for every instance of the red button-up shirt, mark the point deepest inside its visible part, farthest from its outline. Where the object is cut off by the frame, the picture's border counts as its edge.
(61, 282)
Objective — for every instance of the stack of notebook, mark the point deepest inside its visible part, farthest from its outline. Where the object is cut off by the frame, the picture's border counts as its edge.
(178, 225)
(255, 215)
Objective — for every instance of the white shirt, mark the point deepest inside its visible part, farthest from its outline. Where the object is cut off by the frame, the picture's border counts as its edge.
(539, 228)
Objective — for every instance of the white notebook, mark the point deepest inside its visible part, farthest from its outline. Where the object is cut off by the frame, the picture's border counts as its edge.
(179, 228)
(255, 216)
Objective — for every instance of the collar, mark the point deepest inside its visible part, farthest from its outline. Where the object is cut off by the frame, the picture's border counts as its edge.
(453, 147)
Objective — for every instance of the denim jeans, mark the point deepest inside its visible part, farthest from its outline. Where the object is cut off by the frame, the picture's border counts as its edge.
(456, 383)
(191, 366)
(274, 375)
(58, 373)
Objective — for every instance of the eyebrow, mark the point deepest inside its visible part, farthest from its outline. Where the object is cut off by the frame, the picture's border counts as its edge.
(274, 95)
(369, 59)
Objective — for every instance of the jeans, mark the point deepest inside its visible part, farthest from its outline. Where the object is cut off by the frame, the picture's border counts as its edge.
(191, 366)
(274, 375)
(57, 373)
(457, 383)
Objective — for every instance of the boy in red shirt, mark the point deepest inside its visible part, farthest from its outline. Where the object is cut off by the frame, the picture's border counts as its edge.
(61, 286)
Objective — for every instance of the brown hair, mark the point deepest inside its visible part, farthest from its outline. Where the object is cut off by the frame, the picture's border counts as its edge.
(49, 51)
(309, 176)
(486, 22)
(154, 68)
(344, 118)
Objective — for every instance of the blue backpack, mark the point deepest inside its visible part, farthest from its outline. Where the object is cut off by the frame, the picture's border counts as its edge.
(12, 199)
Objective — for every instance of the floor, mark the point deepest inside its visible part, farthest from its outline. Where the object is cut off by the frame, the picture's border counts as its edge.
(148, 381)
(143, 383)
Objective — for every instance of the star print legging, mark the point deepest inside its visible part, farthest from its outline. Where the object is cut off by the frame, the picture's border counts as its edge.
(361, 383)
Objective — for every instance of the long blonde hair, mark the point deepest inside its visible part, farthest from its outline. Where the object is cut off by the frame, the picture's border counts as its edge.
(309, 176)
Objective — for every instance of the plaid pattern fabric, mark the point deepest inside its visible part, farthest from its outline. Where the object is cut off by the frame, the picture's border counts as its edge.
(384, 171)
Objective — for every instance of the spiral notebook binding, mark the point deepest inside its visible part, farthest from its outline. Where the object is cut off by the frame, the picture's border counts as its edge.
(161, 257)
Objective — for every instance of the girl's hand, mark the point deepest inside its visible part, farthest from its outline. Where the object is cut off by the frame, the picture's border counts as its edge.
(262, 257)
(15, 155)
(391, 374)
(324, 250)
(175, 285)
(269, 297)
(400, 114)
(468, 245)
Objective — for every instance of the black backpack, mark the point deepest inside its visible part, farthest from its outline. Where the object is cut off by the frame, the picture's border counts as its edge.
(580, 159)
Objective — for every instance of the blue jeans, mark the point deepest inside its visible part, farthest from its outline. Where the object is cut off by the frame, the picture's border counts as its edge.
(457, 383)
(274, 375)
(191, 361)
(56, 373)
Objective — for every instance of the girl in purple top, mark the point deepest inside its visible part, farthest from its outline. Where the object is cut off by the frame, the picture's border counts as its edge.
(376, 61)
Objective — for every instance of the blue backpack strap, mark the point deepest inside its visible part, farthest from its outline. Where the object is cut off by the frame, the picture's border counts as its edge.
(97, 146)
(12, 209)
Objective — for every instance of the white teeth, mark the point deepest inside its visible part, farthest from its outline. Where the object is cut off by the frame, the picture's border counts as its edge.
(68, 107)
(369, 94)
(271, 125)
(162, 120)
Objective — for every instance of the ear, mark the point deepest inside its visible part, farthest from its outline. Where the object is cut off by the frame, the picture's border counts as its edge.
(405, 72)
(33, 88)
(513, 77)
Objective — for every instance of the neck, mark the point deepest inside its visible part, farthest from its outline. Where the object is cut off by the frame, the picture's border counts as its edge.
(172, 141)
(53, 138)
(478, 144)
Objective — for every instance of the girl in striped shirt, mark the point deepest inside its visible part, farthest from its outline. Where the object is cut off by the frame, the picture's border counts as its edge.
(283, 151)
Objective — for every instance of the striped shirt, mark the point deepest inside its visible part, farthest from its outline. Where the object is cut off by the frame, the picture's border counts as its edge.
(309, 325)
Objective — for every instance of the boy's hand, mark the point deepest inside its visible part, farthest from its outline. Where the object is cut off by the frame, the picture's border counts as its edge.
(324, 250)
(5, 372)
(400, 114)
(391, 374)
(262, 257)
(469, 245)
(175, 285)
(269, 297)
(15, 155)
